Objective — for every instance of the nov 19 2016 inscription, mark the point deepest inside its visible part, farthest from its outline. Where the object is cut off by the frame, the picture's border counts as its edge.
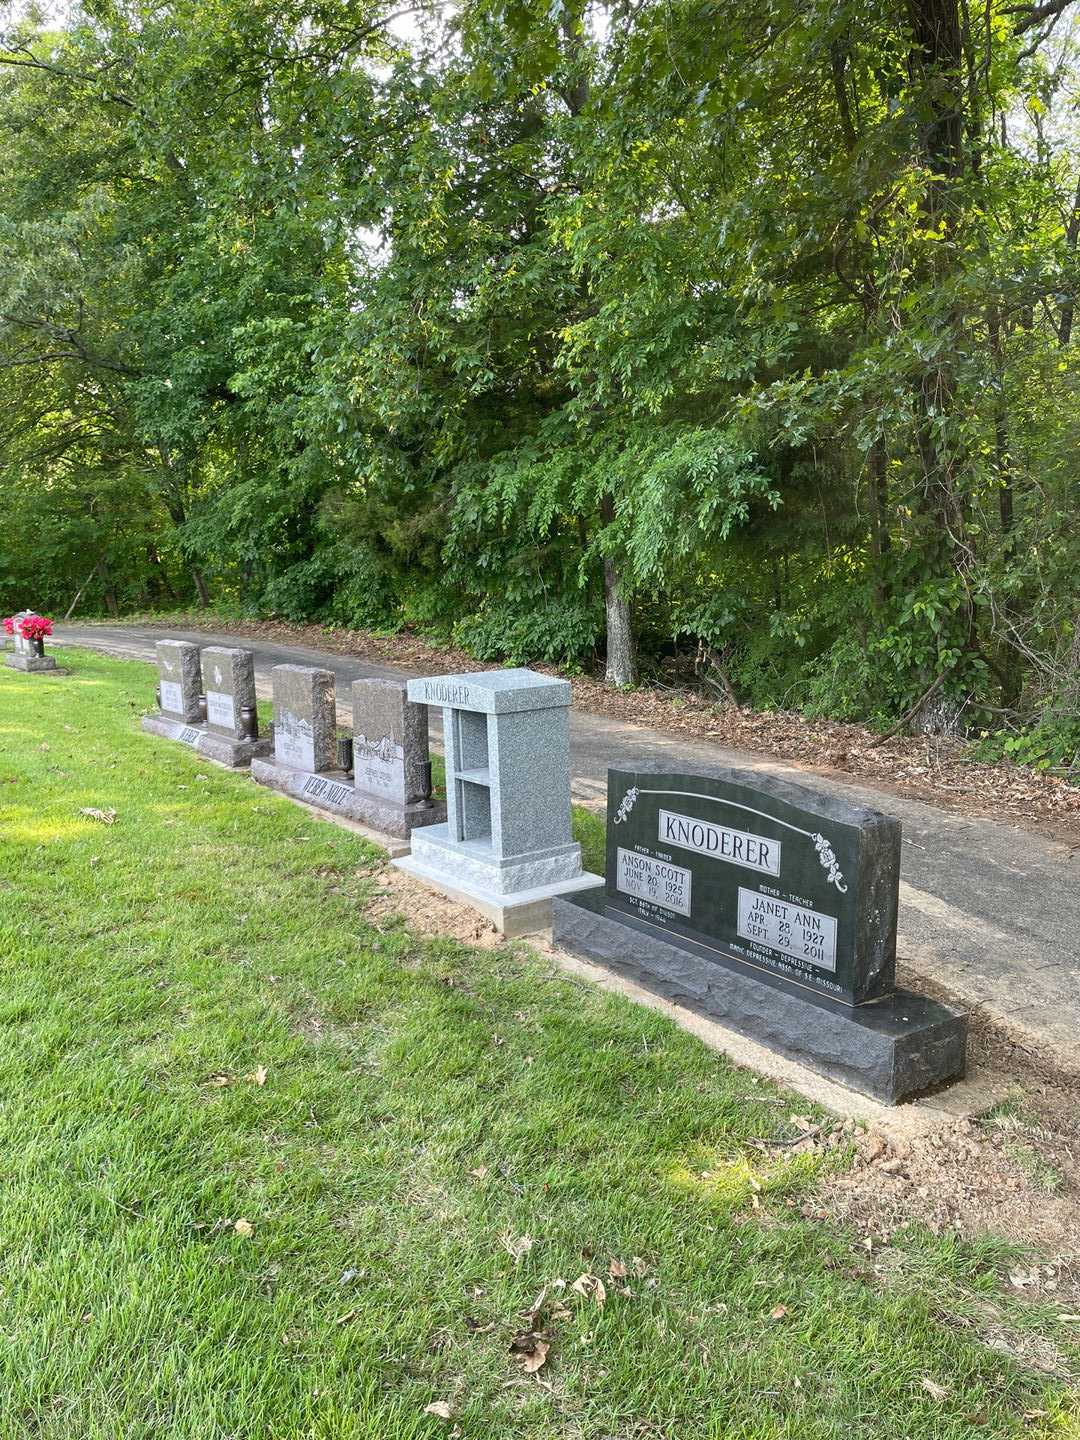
(792, 884)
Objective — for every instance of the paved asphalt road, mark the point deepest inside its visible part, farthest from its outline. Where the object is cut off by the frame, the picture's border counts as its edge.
(990, 910)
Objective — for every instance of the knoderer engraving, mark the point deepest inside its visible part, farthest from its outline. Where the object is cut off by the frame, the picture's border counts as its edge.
(825, 853)
(720, 841)
(438, 692)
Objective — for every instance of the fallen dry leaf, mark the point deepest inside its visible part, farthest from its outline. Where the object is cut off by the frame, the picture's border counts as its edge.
(106, 817)
(778, 1312)
(244, 1227)
(479, 1173)
(219, 1081)
(617, 1270)
(531, 1348)
(516, 1248)
(438, 1408)
(537, 1358)
(259, 1075)
(586, 1285)
(939, 1392)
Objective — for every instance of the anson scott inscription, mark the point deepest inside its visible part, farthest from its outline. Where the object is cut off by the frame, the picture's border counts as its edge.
(798, 886)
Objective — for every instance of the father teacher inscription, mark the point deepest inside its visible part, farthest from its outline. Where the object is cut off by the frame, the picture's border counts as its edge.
(794, 884)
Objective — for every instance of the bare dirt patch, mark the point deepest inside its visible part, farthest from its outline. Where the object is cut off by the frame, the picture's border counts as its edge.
(399, 897)
(930, 768)
(1012, 1171)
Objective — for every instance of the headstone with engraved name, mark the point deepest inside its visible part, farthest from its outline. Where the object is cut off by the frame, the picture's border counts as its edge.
(179, 680)
(230, 680)
(507, 846)
(305, 718)
(390, 786)
(391, 760)
(772, 907)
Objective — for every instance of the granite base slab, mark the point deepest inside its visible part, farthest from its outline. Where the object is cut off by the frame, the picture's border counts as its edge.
(30, 663)
(233, 754)
(473, 864)
(518, 912)
(331, 790)
(892, 1048)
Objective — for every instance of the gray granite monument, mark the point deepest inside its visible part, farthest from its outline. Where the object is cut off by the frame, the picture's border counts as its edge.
(28, 655)
(771, 907)
(219, 723)
(391, 761)
(507, 846)
(389, 786)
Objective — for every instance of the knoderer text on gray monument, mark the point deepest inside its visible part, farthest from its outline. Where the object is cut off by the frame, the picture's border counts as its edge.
(507, 847)
(772, 907)
(389, 786)
(219, 721)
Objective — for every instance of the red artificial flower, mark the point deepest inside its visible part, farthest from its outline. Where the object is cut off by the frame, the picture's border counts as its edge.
(35, 627)
(9, 624)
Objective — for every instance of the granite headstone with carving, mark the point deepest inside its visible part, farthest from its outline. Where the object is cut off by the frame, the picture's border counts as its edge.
(772, 907)
(390, 785)
(219, 723)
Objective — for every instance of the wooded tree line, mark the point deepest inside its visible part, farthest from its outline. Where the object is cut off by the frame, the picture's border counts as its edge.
(739, 332)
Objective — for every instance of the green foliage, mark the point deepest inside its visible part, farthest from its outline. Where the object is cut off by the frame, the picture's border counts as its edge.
(488, 322)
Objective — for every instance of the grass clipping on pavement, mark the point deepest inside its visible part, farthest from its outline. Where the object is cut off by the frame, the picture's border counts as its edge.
(272, 1171)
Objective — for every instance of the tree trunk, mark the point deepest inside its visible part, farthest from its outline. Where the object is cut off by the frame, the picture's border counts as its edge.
(1072, 233)
(201, 588)
(621, 660)
(621, 666)
(880, 540)
(107, 586)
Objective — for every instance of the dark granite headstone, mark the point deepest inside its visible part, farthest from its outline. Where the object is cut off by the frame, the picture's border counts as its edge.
(786, 881)
(772, 907)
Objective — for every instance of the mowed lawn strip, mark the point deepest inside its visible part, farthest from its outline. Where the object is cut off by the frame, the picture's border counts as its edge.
(272, 1172)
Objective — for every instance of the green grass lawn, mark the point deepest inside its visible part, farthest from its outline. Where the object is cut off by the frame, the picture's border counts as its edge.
(443, 1142)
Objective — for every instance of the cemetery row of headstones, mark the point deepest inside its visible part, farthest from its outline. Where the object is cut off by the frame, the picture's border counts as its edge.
(767, 905)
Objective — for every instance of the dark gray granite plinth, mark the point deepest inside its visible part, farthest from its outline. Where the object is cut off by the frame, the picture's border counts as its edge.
(333, 790)
(30, 663)
(233, 754)
(892, 1048)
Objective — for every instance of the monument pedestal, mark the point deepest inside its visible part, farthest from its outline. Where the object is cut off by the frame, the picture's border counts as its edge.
(515, 893)
(891, 1048)
(233, 754)
(333, 790)
(30, 663)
